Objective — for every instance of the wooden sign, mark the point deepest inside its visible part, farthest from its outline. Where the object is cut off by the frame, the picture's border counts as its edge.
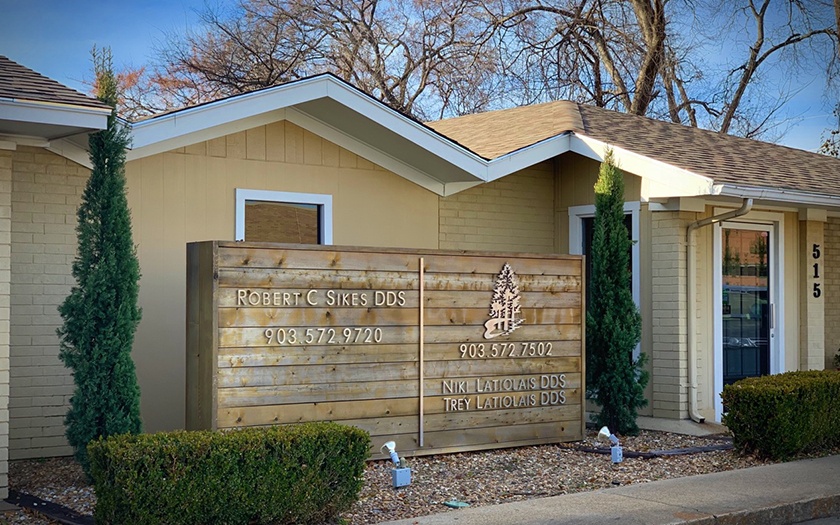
(438, 351)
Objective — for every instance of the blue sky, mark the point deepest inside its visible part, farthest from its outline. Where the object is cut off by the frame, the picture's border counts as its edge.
(54, 37)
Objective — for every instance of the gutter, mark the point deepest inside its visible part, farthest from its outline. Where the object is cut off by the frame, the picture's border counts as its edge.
(691, 280)
(776, 194)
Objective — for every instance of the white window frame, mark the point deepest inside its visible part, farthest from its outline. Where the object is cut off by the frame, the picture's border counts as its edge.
(324, 203)
(576, 216)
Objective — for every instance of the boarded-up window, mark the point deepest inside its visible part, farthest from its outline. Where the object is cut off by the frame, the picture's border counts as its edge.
(281, 222)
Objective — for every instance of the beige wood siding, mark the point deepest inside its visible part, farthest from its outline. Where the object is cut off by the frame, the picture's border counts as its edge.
(578, 176)
(189, 195)
(792, 290)
(704, 318)
(515, 213)
(645, 299)
(46, 190)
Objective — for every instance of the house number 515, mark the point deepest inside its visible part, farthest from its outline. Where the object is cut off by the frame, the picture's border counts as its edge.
(815, 253)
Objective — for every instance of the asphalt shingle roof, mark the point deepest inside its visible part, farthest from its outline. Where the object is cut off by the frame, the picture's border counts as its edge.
(21, 83)
(722, 158)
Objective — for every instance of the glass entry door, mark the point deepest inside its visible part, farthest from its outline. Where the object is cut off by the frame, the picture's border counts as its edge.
(746, 306)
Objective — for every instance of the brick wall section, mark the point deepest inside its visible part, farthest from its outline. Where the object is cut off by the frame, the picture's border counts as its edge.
(669, 361)
(521, 204)
(46, 190)
(5, 277)
(831, 271)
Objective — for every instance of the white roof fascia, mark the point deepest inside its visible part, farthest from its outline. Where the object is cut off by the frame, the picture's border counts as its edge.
(220, 118)
(528, 156)
(777, 194)
(409, 129)
(362, 149)
(71, 151)
(659, 179)
(54, 114)
(245, 111)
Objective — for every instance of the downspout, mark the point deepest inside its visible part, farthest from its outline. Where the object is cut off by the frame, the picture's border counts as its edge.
(691, 280)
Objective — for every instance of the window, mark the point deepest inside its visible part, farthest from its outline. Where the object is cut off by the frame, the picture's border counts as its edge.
(581, 220)
(275, 216)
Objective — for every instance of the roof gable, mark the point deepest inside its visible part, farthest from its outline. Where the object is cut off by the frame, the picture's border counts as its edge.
(454, 154)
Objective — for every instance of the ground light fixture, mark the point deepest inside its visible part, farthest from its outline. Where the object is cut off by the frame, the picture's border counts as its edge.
(615, 451)
(400, 474)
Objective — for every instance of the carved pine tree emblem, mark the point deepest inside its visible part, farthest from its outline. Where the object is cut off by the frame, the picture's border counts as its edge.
(504, 307)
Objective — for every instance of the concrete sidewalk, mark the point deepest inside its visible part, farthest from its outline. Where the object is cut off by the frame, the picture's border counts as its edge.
(778, 494)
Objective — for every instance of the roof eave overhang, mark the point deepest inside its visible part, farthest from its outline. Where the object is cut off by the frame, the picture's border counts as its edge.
(52, 114)
(529, 156)
(659, 179)
(51, 126)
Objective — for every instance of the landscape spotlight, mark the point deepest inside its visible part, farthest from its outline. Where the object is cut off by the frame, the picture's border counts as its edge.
(391, 446)
(615, 451)
(400, 474)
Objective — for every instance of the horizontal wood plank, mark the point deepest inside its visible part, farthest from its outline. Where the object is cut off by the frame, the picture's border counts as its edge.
(350, 373)
(372, 334)
(342, 354)
(333, 279)
(401, 414)
(372, 259)
(290, 298)
(329, 392)
(406, 316)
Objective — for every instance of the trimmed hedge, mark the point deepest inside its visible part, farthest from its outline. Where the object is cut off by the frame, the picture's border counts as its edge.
(782, 415)
(291, 474)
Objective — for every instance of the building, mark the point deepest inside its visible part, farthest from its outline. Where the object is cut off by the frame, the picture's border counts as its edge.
(735, 268)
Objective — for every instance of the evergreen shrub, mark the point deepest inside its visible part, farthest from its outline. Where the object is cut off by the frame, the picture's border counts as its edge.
(305, 473)
(101, 313)
(782, 415)
(614, 380)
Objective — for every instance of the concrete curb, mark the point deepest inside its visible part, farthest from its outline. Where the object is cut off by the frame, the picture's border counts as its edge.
(777, 494)
(783, 514)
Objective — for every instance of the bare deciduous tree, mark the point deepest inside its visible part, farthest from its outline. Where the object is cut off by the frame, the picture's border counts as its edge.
(427, 58)
(440, 58)
(795, 23)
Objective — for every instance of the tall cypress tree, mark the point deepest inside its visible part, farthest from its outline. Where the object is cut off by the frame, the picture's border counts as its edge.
(101, 313)
(613, 323)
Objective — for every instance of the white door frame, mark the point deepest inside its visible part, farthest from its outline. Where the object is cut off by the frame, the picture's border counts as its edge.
(774, 224)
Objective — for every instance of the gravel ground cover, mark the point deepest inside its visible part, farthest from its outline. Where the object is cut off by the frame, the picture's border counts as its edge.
(477, 478)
